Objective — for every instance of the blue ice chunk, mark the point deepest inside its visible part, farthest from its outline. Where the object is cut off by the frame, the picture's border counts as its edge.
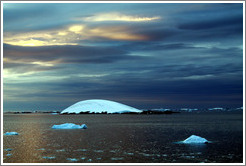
(193, 139)
(41, 149)
(8, 149)
(11, 133)
(72, 159)
(60, 150)
(69, 126)
(51, 157)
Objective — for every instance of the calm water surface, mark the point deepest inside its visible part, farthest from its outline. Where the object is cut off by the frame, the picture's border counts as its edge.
(124, 138)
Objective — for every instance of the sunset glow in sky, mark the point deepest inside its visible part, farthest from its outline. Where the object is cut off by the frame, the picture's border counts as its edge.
(146, 55)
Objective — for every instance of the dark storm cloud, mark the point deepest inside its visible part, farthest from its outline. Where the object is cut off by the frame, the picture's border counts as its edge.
(235, 22)
(130, 87)
(66, 54)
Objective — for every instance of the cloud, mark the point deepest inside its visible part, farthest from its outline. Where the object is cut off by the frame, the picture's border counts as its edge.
(72, 35)
(19, 59)
(137, 58)
(63, 54)
(116, 33)
(233, 21)
(118, 17)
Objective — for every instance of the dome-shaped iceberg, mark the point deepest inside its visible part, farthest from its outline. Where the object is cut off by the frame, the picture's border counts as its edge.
(99, 106)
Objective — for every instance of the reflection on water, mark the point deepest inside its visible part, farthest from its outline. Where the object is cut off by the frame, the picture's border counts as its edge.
(123, 138)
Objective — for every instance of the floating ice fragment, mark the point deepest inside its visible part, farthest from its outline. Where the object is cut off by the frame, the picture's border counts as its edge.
(60, 150)
(54, 113)
(128, 153)
(11, 133)
(117, 158)
(147, 155)
(98, 151)
(9, 154)
(72, 159)
(8, 149)
(193, 139)
(69, 126)
(41, 149)
(90, 160)
(82, 158)
(46, 157)
(84, 126)
(81, 150)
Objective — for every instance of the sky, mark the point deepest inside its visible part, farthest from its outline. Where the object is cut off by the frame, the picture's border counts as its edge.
(146, 55)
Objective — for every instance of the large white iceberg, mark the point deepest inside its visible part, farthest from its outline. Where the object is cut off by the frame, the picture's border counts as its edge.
(193, 139)
(11, 133)
(69, 126)
(99, 106)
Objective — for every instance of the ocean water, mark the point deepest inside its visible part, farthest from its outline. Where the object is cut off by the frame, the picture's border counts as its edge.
(123, 138)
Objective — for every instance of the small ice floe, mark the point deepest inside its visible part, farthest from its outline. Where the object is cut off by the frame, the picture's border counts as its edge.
(193, 139)
(98, 151)
(72, 159)
(99, 158)
(82, 158)
(11, 133)
(69, 126)
(90, 160)
(54, 113)
(60, 150)
(117, 158)
(129, 153)
(81, 150)
(9, 154)
(41, 149)
(51, 157)
(147, 155)
(8, 149)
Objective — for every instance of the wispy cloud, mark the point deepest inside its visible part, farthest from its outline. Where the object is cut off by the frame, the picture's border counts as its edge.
(72, 35)
(118, 17)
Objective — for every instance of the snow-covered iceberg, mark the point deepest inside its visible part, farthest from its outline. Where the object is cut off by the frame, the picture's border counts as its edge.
(99, 106)
(69, 126)
(193, 139)
(11, 133)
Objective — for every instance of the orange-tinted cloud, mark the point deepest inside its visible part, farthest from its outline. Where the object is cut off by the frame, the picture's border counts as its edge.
(119, 17)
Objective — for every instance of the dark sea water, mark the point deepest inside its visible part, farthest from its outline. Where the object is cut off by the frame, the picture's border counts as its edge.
(123, 138)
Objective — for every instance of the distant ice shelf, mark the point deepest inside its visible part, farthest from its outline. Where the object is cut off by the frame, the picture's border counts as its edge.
(69, 126)
(11, 133)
